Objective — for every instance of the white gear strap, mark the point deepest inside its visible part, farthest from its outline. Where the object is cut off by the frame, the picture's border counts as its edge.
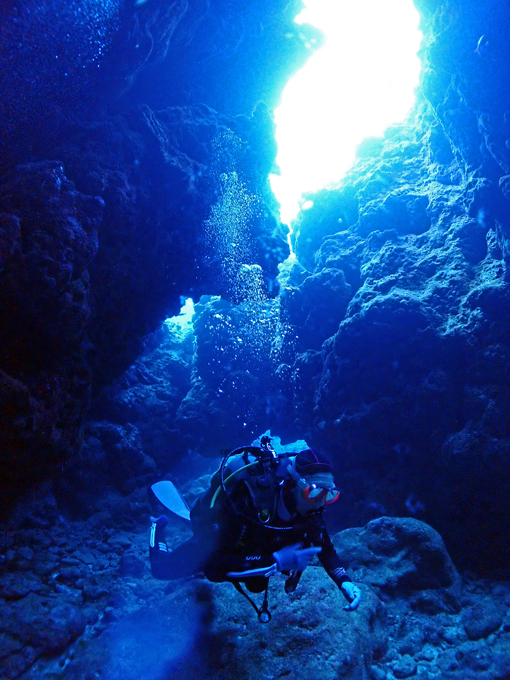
(261, 571)
(162, 546)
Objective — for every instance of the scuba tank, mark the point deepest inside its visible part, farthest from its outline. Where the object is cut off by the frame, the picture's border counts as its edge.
(259, 475)
(258, 472)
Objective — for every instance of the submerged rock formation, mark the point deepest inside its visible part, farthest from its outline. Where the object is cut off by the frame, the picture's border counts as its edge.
(48, 238)
(134, 172)
(89, 580)
(99, 246)
(411, 386)
(417, 363)
(411, 250)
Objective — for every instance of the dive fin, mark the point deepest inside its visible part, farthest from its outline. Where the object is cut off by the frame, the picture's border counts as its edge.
(168, 495)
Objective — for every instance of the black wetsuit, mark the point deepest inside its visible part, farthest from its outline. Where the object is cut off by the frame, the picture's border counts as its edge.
(226, 542)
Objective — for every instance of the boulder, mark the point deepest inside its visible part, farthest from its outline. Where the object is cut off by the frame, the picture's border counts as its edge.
(483, 618)
(398, 556)
(216, 635)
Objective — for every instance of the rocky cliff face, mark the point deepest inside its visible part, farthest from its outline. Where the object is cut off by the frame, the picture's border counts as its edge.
(102, 232)
(411, 387)
(134, 161)
(389, 339)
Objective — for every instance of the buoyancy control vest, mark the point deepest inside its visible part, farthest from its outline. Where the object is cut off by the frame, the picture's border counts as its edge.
(249, 481)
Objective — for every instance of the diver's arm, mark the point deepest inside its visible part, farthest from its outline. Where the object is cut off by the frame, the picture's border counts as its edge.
(328, 556)
(290, 558)
(331, 563)
(330, 560)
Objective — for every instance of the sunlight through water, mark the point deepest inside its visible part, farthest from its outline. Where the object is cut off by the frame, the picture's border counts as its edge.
(356, 85)
(183, 320)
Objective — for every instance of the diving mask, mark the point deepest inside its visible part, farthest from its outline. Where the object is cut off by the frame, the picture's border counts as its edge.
(320, 488)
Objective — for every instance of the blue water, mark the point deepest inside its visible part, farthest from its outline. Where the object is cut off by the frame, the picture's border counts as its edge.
(383, 341)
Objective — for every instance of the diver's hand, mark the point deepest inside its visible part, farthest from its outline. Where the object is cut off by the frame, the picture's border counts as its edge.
(352, 594)
(295, 557)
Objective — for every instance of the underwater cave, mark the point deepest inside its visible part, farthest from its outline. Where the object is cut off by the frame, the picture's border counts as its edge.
(173, 286)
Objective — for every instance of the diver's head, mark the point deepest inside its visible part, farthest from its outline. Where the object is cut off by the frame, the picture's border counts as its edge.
(314, 487)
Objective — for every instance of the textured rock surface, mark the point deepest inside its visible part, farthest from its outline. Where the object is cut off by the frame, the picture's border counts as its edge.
(388, 345)
(149, 393)
(405, 377)
(394, 353)
(76, 313)
(48, 239)
(156, 176)
(90, 580)
(397, 554)
(159, 174)
(414, 377)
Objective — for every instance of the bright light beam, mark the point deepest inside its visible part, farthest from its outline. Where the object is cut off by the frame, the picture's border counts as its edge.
(361, 81)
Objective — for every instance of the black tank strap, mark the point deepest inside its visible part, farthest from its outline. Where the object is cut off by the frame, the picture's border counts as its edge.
(263, 613)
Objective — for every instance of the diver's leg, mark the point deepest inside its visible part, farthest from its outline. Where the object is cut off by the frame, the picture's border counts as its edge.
(187, 559)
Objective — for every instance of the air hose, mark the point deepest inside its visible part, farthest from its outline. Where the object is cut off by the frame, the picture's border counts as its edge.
(265, 456)
(227, 479)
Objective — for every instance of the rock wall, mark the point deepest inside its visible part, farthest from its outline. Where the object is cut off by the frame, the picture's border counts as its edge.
(103, 231)
(404, 375)
(391, 339)
(390, 334)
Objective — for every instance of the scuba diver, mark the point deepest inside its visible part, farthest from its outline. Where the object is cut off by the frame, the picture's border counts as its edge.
(262, 514)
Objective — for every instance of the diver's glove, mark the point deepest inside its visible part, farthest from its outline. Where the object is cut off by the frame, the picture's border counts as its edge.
(295, 557)
(352, 594)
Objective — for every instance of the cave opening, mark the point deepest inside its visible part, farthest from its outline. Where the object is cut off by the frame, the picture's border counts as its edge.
(359, 82)
(384, 342)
